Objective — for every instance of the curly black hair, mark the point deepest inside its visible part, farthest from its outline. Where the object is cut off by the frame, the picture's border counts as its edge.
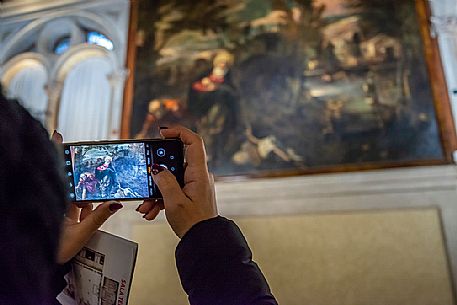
(32, 207)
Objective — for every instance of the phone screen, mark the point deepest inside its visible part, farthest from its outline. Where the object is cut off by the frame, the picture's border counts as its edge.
(121, 170)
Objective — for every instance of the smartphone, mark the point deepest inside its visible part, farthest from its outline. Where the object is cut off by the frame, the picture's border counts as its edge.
(120, 170)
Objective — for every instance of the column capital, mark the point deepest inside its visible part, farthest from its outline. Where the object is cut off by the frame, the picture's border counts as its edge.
(117, 77)
(445, 25)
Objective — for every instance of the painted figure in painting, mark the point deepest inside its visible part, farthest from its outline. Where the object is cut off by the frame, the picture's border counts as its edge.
(158, 109)
(87, 185)
(107, 177)
(214, 101)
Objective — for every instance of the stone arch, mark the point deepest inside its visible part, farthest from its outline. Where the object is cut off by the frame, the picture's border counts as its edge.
(25, 77)
(64, 65)
(103, 25)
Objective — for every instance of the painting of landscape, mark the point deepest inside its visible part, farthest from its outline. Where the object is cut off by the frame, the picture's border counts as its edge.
(287, 85)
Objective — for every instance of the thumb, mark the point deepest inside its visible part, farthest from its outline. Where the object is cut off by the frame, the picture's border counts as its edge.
(168, 186)
(97, 217)
(57, 137)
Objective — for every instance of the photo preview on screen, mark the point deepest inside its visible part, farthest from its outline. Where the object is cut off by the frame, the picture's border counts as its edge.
(111, 171)
(120, 170)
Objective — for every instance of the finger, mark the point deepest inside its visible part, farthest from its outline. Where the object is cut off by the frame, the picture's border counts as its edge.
(195, 152)
(213, 190)
(97, 217)
(57, 137)
(168, 186)
(146, 206)
(73, 212)
(85, 211)
(152, 214)
(149, 204)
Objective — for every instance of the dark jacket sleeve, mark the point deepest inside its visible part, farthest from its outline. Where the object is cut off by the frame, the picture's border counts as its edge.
(216, 268)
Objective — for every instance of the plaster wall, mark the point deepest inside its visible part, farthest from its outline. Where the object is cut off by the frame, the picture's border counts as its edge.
(378, 237)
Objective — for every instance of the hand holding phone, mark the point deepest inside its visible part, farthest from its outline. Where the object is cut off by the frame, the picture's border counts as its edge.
(80, 223)
(196, 201)
(120, 170)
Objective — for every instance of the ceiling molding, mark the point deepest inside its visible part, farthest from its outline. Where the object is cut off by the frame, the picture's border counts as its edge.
(11, 12)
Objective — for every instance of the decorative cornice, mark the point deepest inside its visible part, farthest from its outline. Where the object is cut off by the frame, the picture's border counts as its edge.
(105, 24)
(20, 10)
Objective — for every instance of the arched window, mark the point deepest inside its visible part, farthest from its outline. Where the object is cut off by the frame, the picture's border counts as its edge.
(85, 110)
(25, 81)
(57, 67)
(100, 40)
(62, 45)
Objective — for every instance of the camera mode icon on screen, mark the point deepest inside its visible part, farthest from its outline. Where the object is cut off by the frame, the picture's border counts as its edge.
(161, 152)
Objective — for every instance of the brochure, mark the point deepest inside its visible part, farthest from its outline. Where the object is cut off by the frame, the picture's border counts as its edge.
(102, 272)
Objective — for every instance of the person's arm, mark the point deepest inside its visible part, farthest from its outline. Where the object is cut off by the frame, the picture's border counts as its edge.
(216, 268)
(80, 223)
(213, 259)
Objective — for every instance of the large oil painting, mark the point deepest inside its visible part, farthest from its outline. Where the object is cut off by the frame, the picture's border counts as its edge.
(287, 86)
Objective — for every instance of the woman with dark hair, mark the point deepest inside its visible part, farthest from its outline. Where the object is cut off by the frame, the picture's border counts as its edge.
(39, 229)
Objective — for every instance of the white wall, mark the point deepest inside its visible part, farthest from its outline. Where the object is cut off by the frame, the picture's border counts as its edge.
(432, 187)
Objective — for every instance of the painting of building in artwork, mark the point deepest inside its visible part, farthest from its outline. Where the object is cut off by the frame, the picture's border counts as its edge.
(287, 85)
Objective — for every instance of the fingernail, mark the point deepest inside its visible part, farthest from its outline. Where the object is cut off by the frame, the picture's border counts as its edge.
(163, 127)
(138, 208)
(113, 207)
(156, 168)
(144, 216)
